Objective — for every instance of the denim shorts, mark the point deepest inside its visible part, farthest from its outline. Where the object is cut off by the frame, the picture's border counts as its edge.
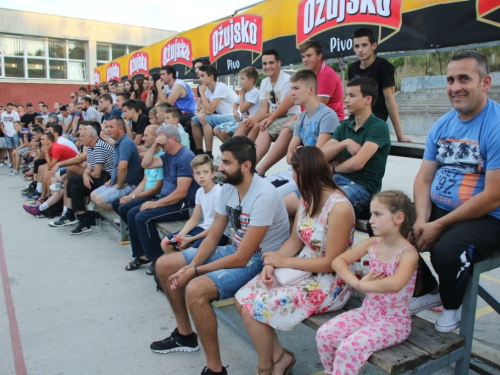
(109, 194)
(12, 142)
(357, 194)
(23, 150)
(229, 281)
(214, 120)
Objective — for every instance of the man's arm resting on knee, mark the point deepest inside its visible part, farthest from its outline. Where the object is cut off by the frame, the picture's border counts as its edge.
(280, 111)
(422, 190)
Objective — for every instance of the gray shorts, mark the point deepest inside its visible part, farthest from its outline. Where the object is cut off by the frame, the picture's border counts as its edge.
(274, 129)
(109, 194)
(229, 281)
(23, 150)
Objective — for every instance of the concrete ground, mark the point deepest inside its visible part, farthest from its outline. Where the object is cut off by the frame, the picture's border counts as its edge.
(67, 306)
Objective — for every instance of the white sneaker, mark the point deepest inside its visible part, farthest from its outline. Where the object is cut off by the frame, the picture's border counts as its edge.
(2, 165)
(57, 186)
(10, 165)
(424, 302)
(448, 321)
(13, 173)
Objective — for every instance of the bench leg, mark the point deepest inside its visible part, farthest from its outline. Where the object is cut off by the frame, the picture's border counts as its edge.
(123, 231)
(488, 298)
(468, 319)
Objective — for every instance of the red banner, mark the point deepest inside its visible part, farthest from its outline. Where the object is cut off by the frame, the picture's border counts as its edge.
(239, 33)
(97, 77)
(317, 16)
(138, 63)
(113, 72)
(177, 51)
(487, 6)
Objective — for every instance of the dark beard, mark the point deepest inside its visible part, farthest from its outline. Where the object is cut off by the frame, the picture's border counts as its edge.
(233, 179)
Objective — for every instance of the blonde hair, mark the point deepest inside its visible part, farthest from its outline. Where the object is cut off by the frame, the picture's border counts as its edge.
(200, 160)
(397, 201)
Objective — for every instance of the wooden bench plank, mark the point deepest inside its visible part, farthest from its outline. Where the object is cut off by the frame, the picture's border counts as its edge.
(399, 358)
(424, 336)
(409, 150)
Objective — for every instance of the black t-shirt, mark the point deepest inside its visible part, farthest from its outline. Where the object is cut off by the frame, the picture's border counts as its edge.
(139, 126)
(27, 118)
(382, 72)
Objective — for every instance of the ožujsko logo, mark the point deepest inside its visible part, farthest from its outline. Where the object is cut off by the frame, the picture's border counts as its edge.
(177, 51)
(113, 72)
(317, 16)
(486, 10)
(138, 63)
(97, 77)
(242, 33)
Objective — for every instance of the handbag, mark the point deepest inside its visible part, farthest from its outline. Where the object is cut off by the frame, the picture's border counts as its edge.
(290, 276)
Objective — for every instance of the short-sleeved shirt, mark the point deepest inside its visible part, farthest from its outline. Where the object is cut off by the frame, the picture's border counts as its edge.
(141, 124)
(28, 119)
(253, 96)
(464, 152)
(262, 206)
(208, 202)
(8, 122)
(275, 95)
(188, 102)
(126, 149)
(153, 174)
(91, 113)
(373, 130)
(382, 72)
(227, 96)
(61, 152)
(24, 135)
(114, 112)
(330, 86)
(101, 153)
(175, 166)
(308, 128)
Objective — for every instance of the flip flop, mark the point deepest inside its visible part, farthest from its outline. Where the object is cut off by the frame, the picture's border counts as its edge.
(136, 263)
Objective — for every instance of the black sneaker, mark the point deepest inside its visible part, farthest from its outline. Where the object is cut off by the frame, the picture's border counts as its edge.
(45, 214)
(81, 228)
(34, 195)
(64, 220)
(207, 371)
(176, 343)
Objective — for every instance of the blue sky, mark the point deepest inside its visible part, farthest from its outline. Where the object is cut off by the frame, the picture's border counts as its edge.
(193, 13)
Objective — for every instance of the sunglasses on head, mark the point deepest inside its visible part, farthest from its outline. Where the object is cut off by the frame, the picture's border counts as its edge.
(234, 216)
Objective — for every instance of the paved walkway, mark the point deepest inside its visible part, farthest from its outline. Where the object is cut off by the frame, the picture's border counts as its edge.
(67, 306)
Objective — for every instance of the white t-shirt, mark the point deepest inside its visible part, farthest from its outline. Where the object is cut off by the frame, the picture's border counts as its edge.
(227, 96)
(262, 206)
(281, 88)
(66, 142)
(208, 202)
(8, 122)
(253, 96)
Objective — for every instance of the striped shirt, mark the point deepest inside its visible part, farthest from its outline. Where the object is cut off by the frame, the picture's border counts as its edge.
(102, 153)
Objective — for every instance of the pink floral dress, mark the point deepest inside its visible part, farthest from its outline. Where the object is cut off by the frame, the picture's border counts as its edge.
(346, 342)
(283, 307)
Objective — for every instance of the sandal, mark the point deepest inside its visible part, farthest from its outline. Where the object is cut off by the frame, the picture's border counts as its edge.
(27, 178)
(136, 263)
(264, 371)
(290, 366)
(152, 268)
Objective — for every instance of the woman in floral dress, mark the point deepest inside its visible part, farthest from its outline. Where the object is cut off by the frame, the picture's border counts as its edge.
(324, 229)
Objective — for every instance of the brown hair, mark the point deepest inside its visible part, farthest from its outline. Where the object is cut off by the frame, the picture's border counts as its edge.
(38, 119)
(200, 160)
(251, 73)
(311, 44)
(397, 201)
(313, 176)
(175, 112)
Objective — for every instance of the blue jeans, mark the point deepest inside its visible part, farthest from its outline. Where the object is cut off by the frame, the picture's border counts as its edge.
(144, 237)
(196, 244)
(357, 194)
(214, 120)
(124, 209)
(228, 281)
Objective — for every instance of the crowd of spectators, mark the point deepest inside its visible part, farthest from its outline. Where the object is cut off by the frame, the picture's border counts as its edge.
(143, 149)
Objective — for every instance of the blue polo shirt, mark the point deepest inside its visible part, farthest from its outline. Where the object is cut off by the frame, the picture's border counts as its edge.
(126, 149)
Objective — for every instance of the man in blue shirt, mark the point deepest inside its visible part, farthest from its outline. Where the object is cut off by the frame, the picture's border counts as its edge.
(456, 190)
(177, 196)
(127, 172)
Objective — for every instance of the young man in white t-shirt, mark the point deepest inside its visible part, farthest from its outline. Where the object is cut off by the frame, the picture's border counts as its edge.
(256, 212)
(217, 108)
(246, 105)
(193, 233)
(7, 126)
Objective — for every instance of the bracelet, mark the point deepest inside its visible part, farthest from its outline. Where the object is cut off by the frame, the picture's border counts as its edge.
(196, 271)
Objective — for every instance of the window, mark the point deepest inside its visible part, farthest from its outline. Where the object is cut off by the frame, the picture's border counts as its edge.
(108, 52)
(42, 58)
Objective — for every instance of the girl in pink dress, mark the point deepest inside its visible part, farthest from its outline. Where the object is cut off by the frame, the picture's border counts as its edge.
(347, 341)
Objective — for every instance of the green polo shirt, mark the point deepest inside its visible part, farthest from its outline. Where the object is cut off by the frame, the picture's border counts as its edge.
(373, 130)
